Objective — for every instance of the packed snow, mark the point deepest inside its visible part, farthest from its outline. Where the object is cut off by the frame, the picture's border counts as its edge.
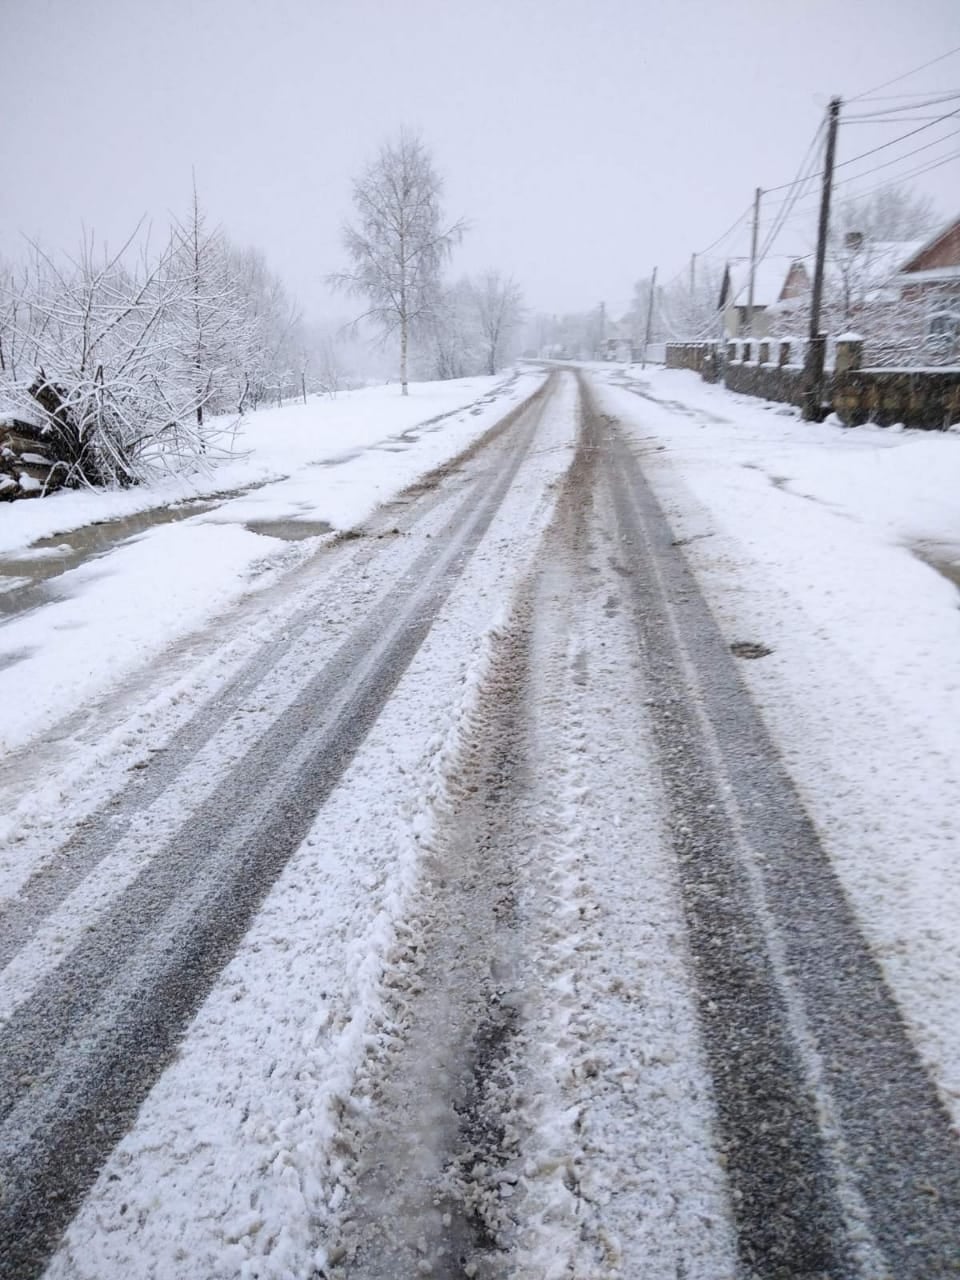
(833, 549)
(816, 541)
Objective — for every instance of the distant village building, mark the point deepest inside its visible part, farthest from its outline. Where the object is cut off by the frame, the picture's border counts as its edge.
(902, 297)
(618, 344)
(778, 282)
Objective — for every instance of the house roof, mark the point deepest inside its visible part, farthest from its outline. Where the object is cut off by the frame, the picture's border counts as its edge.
(770, 278)
(878, 261)
(921, 250)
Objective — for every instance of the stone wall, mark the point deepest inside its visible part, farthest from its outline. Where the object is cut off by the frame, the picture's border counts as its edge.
(689, 355)
(925, 398)
(928, 399)
(763, 367)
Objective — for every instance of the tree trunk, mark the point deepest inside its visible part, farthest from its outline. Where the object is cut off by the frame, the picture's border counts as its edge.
(403, 356)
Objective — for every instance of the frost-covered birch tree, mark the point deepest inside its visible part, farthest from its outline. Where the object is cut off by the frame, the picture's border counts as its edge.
(398, 241)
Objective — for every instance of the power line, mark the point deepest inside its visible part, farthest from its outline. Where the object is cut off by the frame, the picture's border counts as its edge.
(913, 173)
(949, 115)
(891, 119)
(856, 177)
(902, 97)
(916, 172)
(729, 231)
(897, 159)
(906, 74)
(935, 100)
(902, 138)
(803, 164)
(701, 253)
(795, 187)
(794, 195)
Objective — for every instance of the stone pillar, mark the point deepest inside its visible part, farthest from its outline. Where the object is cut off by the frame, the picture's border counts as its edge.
(849, 354)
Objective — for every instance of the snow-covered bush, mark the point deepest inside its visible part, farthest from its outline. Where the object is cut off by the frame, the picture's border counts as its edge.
(117, 363)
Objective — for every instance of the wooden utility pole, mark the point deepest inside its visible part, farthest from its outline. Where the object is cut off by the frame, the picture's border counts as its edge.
(817, 344)
(646, 332)
(753, 260)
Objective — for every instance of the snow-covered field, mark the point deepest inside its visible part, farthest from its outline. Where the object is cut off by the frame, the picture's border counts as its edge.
(814, 541)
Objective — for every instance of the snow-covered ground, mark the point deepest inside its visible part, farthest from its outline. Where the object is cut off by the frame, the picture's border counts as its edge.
(809, 540)
(813, 540)
(248, 1122)
(328, 462)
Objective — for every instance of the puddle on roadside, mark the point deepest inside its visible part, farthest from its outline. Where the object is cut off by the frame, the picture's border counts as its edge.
(337, 459)
(940, 556)
(289, 530)
(25, 576)
(13, 657)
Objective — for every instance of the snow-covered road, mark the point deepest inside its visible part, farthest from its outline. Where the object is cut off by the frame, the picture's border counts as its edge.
(487, 917)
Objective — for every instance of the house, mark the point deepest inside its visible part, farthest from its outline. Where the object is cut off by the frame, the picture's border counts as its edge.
(618, 343)
(902, 297)
(778, 281)
(929, 283)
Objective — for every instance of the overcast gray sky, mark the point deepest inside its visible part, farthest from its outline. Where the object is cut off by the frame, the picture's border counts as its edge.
(585, 141)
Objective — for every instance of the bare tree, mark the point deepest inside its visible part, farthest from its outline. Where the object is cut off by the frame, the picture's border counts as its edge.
(449, 342)
(499, 307)
(94, 365)
(398, 243)
(211, 327)
(891, 213)
(686, 310)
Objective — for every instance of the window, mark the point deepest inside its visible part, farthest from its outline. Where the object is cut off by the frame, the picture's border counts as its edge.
(943, 330)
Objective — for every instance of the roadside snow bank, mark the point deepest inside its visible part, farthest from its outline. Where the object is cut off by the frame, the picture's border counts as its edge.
(270, 445)
(118, 611)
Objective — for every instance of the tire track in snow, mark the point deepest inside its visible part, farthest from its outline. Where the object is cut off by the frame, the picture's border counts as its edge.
(78, 1056)
(540, 1109)
(620, 1178)
(288, 654)
(430, 1157)
(841, 1159)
